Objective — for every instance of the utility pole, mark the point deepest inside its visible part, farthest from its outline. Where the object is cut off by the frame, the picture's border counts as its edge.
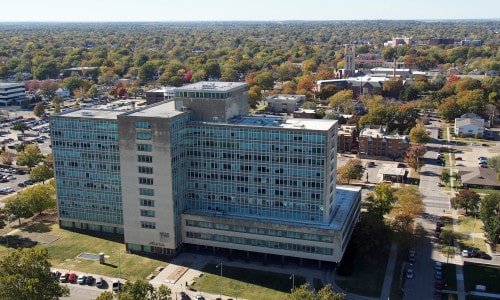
(293, 281)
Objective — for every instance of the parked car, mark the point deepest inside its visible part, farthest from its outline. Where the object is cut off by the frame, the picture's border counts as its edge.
(458, 158)
(409, 272)
(116, 285)
(99, 282)
(438, 266)
(438, 275)
(21, 184)
(370, 164)
(411, 256)
(82, 279)
(28, 182)
(64, 277)
(72, 278)
(56, 274)
(90, 280)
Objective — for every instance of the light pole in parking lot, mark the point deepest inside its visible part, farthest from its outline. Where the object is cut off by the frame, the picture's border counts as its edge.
(220, 265)
(293, 281)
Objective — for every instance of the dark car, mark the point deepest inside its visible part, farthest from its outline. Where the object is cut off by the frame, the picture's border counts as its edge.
(458, 158)
(28, 182)
(21, 184)
(89, 280)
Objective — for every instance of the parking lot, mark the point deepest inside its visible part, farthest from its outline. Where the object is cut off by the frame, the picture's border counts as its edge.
(15, 178)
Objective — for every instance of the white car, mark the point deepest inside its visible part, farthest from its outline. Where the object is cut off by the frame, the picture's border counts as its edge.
(81, 279)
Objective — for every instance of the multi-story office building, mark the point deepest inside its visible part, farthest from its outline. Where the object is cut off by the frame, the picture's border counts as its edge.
(374, 140)
(12, 93)
(198, 172)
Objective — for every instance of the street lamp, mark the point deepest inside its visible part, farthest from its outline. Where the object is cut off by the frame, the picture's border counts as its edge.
(220, 265)
(293, 281)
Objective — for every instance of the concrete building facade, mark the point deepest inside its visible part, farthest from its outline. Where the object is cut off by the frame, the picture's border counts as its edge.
(12, 93)
(197, 173)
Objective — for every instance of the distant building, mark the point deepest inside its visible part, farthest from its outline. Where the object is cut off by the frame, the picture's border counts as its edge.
(347, 138)
(374, 140)
(62, 92)
(369, 60)
(469, 125)
(441, 41)
(349, 64)
(390, 172)
(160, 94)
(305, 113)
(284, 103)
(390, 72)
(12, 93)
(80, 71)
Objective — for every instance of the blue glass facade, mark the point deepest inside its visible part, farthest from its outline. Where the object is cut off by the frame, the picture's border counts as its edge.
(87, 172)
(251, 171)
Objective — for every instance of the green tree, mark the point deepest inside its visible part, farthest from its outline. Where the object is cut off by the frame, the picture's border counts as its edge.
(39, 110)
(449, 109)
(39, 197)
(212, 70)
(419, 134)
(138, 289)
(107, 295)
(466, 199)
(304, 293)
(147, 71)
(20, 126)
(265, 80)
(382, 199)
(445, 175)
(415, 156)
(391, 88)
(494, 163)
(16, 208)
(352, 169)
(3, 218)
(409, 205)
(473, 101)
(25, 274)
(489, 212)
(30, 156)
(46, 70)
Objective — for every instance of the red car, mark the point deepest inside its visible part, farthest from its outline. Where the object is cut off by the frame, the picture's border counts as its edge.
(458, 158)
(72, 278)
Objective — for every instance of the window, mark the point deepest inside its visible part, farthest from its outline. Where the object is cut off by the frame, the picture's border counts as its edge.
(145, 158)
(148, 225)
(143, 136)
(144, 147)
(147, 213)
(147, 202)
(144, 180)
(142, 124)
(146, 192)
(145, 170)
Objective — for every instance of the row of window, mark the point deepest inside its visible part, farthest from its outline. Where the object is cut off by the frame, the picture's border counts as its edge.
(260, 243)
(261, 231)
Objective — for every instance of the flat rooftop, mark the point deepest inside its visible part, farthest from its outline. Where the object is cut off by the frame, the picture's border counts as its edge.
(92, 113)
(160, 110)
(11, 84)
(287, 123)
(216, 86)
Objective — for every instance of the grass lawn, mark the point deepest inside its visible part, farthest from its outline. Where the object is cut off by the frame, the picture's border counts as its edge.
(65, 250)
(370, 270)
(245, 283)
(466, 226)
(486, 275)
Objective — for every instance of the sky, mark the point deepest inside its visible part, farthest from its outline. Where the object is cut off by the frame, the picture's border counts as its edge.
(250, 10)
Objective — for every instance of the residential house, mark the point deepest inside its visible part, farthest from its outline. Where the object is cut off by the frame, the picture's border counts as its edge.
(480, 178)
(469, 125)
